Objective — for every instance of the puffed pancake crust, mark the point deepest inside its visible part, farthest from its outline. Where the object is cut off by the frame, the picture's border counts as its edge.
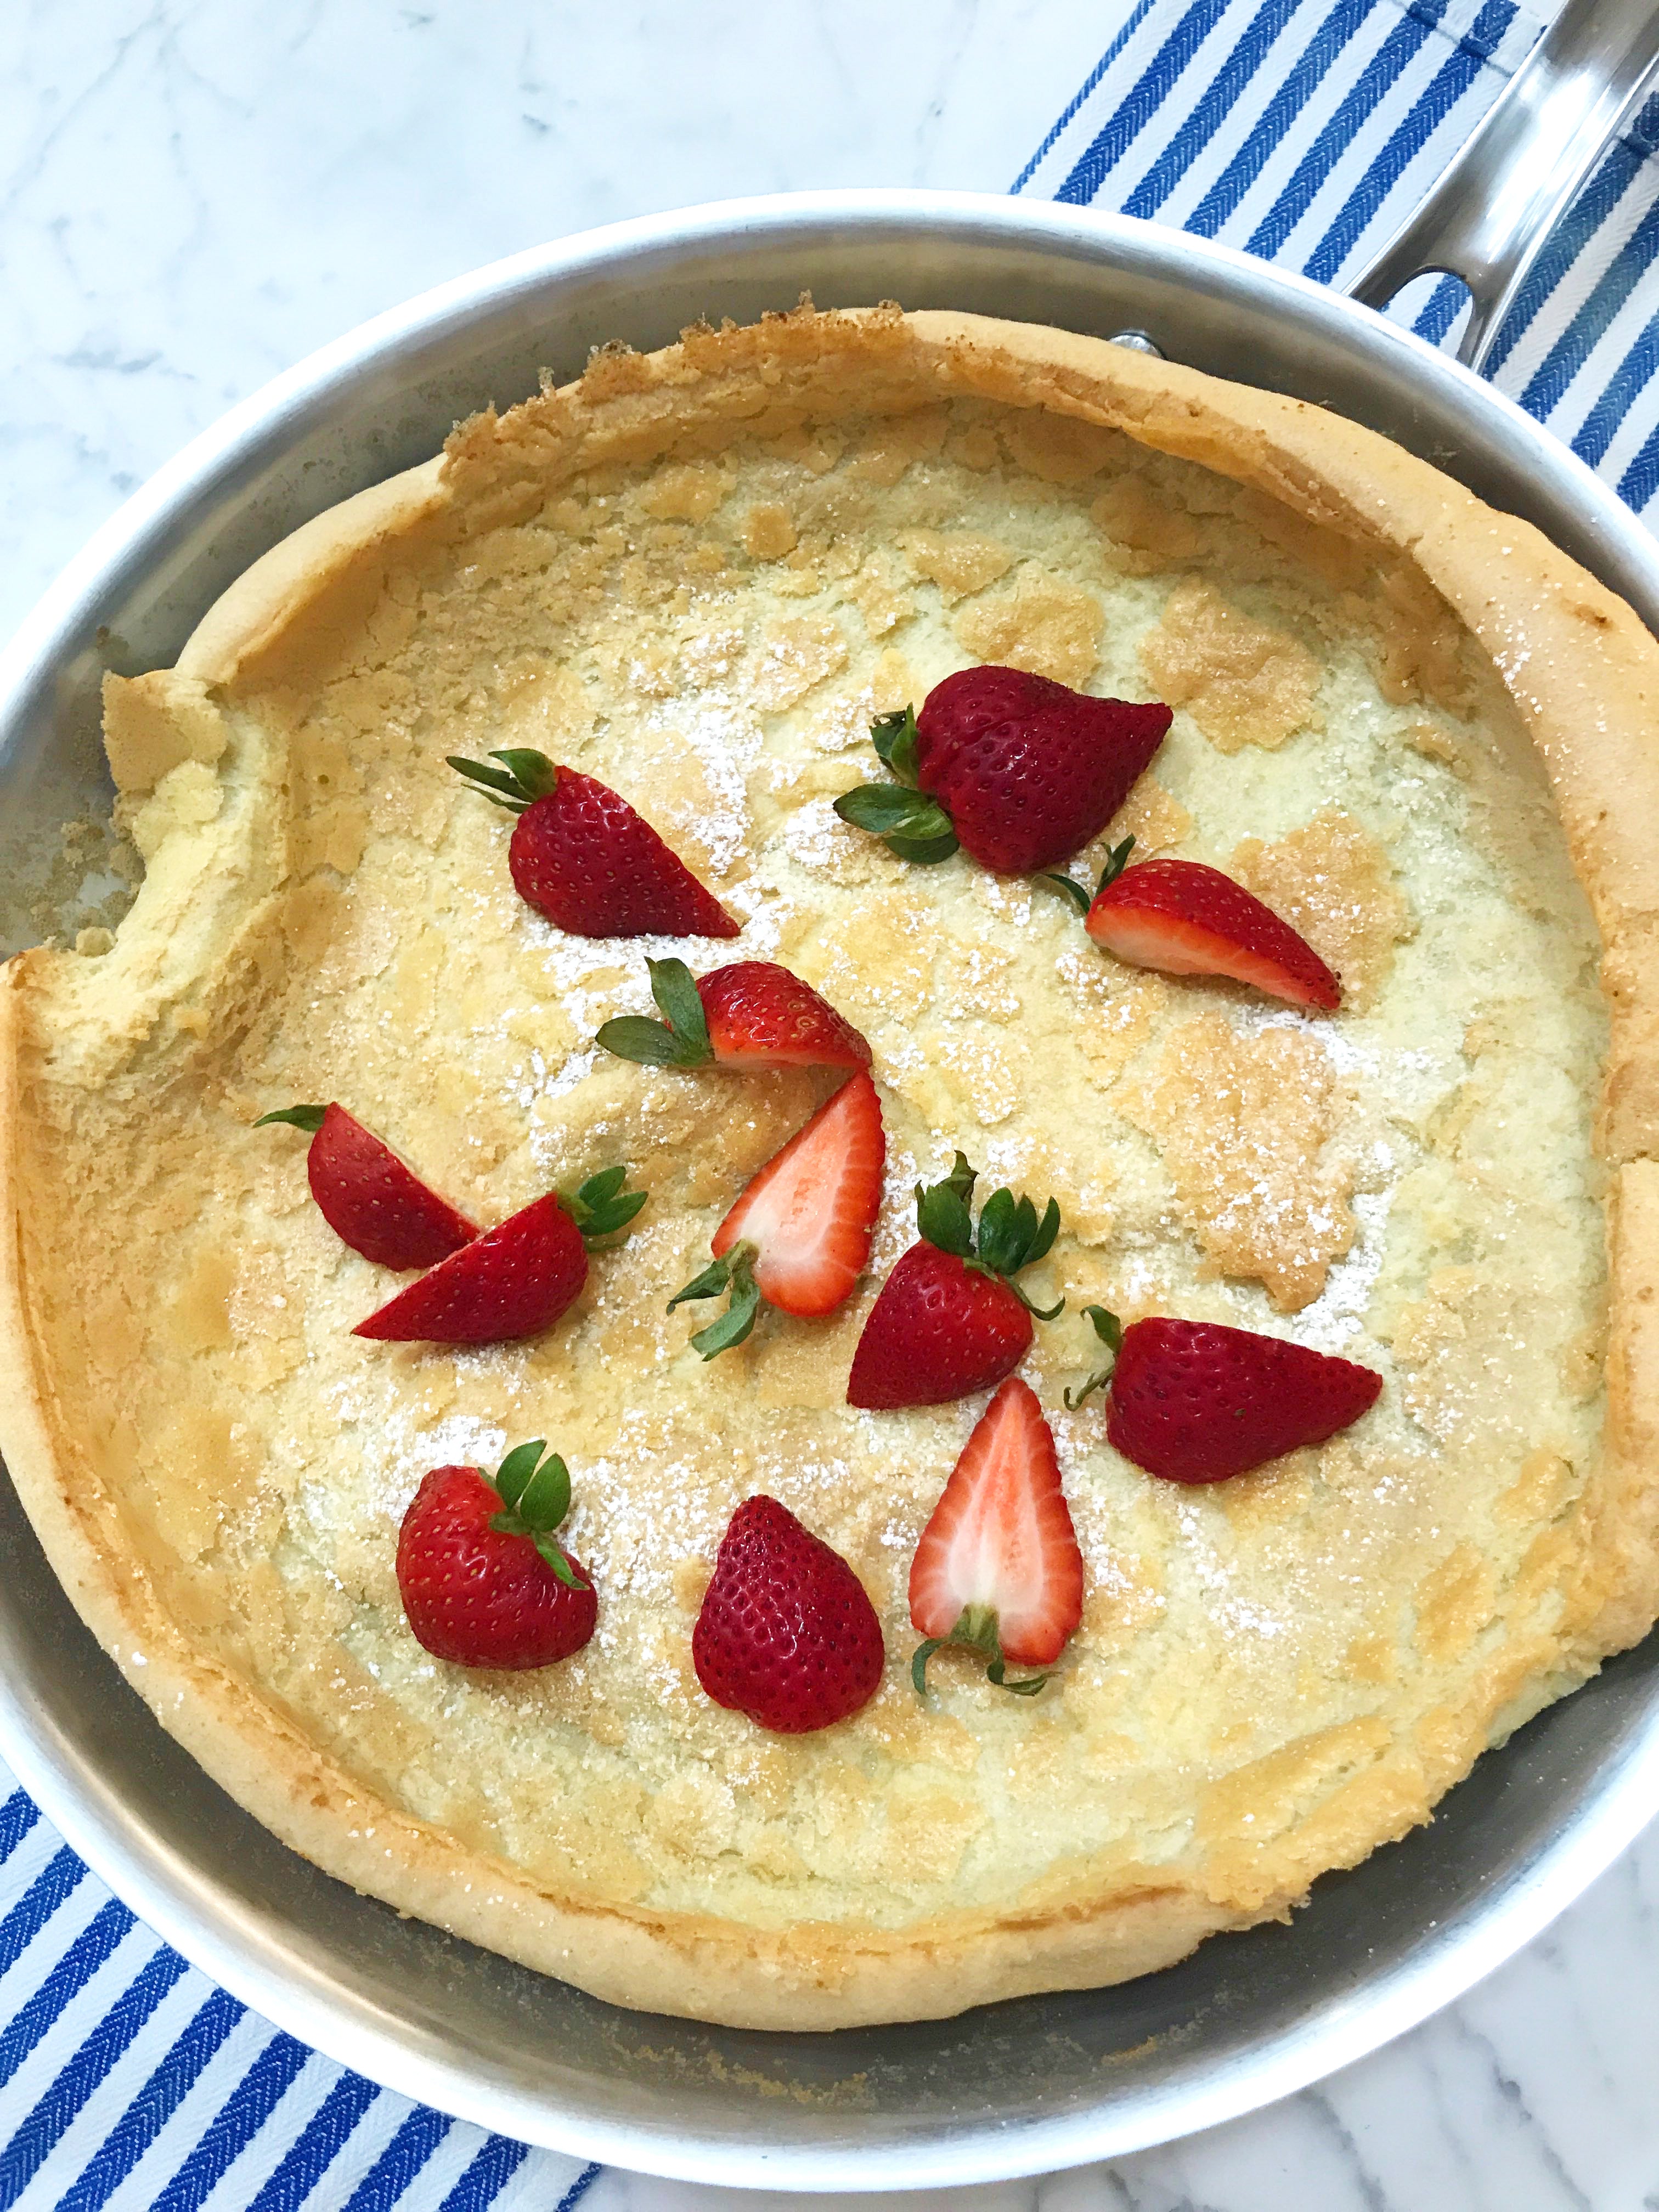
(1416, 729)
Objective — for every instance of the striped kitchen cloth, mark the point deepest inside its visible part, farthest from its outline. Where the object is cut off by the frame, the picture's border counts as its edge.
(1302, 131)
(129, 2081)
(1306, 131)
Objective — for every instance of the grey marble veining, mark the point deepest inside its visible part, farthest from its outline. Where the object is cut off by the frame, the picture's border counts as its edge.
(196, 193)
(196, 196)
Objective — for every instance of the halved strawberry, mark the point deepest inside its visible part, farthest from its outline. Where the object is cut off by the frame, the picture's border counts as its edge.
(1022, 771)
(1185, 919)
(949, 1321)
(751, 1014)
(584, 858)
(787, 1634)
(799, 1235)
(998, 1567)
(368, 1196)
(484, 1580)
(1196, 1401)
(515, 1279)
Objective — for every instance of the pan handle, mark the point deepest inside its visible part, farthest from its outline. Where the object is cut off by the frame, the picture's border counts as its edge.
(1489, 214)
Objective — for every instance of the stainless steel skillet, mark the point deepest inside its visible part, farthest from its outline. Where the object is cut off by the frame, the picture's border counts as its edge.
(1016, 2088)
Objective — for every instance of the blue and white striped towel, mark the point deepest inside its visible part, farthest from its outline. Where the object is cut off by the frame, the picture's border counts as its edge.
(1302, 131)
(128, 2081)
(1306, 131)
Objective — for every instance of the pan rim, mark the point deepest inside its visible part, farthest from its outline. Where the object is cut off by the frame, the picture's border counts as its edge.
(205, 1924)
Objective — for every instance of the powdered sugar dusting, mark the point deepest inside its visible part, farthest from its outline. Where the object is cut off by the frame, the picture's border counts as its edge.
(1341, 1181)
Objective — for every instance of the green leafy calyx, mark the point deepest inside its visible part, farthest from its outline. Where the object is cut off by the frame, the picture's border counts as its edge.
(1117, 860)
(523, 778)
(1010, 1234)
(977, 1630)
(309, 1118)
(535, 1495)
(679, 1040)
(734, 1273)
(600, 1206)
(1109, 1330)
(895, 738)
(912, 826)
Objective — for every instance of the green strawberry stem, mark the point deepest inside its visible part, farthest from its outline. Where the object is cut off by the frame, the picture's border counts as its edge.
(679, 1041)
(1109, 1330)
(977, 1630)
(895, 738)
(1010, 1235)
(309, 1118)
(912, 826)
(600, 1206)
(524, 777)
(1117, 860)
(535, 1494)
(735, 1274)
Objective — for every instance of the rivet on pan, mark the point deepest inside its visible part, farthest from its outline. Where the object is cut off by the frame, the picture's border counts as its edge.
(1138, 342)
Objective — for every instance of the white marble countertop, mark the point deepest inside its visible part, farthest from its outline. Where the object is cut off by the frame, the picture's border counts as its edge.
(196, 195)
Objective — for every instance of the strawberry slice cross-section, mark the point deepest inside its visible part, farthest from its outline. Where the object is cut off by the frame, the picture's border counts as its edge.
(1185, 919)
(515, 1279)
(798, 1236)
(582, 855)
(997, 1566)
(750, 1014)
(369, 1197)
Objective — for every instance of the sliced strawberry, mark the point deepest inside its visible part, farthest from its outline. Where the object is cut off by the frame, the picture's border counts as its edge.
(583, 857)
(799, 1235)
(761, 1016)
(1187, 919)
(997, 1566)
(1195, 1402)
(1022, 771)
(949, 1321)
(811, 1211)
(752, 1014)
(484, 1581)
(515, 1279)
(938, 1331)
(787, 1634)
(366, 1195)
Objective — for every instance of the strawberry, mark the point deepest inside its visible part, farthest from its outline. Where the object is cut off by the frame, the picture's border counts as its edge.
(368, 1198)
(949, 1321)
(515, 1279)
(484, 1580)
(1188, 919)
(1018, 769)
(583, 857)
(1195, 1402)
(752, 1014)
(799, 1235)
(787, 1634)
(998, 1567)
